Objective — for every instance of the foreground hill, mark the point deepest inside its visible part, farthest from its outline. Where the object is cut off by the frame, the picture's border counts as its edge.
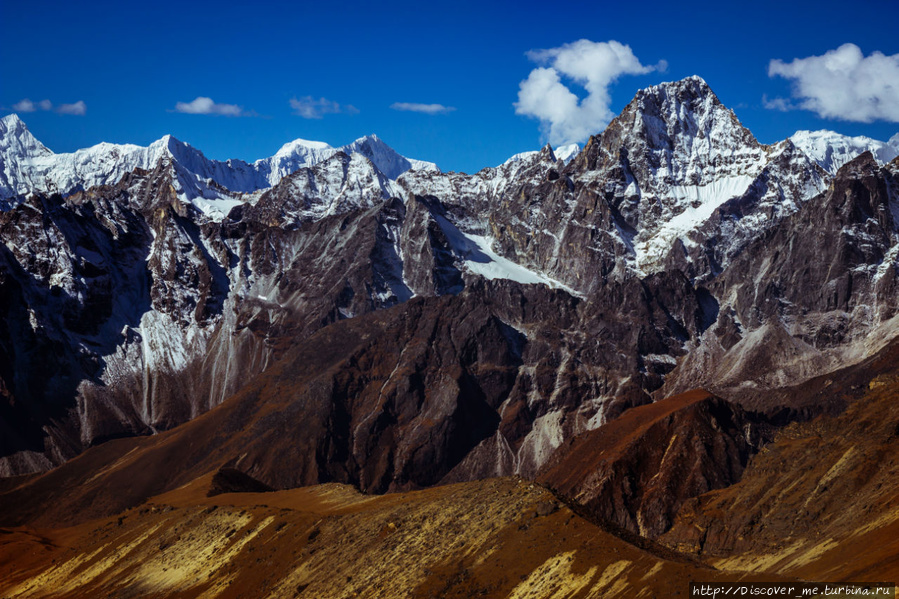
(821, 501)
(495, 538)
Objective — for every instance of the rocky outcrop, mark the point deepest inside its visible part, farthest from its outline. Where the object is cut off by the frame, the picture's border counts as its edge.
(636, 471)
(229, 480)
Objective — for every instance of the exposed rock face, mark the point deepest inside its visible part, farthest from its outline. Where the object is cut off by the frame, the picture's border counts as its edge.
(815, 292)
(229, 480)
(430, 391)
(636, 471)
(674, 182)
(149, 314)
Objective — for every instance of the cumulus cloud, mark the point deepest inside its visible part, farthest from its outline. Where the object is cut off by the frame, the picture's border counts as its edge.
(78, 108)
(781, 104)
(25, 105)
(312, 108)
(425, 108)
(842, 84)
(564, 117)
(204, 105)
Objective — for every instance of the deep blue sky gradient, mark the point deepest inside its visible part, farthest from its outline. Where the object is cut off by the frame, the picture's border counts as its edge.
(131, 63)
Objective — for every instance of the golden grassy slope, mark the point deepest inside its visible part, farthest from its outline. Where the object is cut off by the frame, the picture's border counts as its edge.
(494, 538)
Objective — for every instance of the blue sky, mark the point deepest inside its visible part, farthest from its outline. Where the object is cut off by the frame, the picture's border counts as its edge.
(131, 66)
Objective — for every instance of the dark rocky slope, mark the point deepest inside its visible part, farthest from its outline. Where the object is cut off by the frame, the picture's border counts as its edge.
(635, 472)
(814, 293)
(430, 391)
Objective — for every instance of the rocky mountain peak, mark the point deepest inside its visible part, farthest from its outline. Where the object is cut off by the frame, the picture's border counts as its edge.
(174, 145)
(865, 164)
(693, 89)
(672, 160)
(10, 119)
(563, 154)
(337, 185)
(676, 133)
(546, 152)
(11, 124)
(683, 119)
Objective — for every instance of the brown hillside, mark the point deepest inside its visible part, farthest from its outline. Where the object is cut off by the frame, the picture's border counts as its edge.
(495, 538)
(637, 470)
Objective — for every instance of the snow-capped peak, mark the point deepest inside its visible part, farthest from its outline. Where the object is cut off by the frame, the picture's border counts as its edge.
(682, 154)
(566, 153)
(15, 137)
(832, 150)
(301, 152)
(292, 147)
(676, 115)
(386, 158)
(27, 166)
(693, 85)
(16, 142)
(679, 133)
(561, 154)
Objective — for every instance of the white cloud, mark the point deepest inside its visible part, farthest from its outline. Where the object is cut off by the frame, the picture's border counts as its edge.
(565, 118)
(204, 105)
(78, 108)
(425, 108)
(25, 105)
(842, 84)
(312, 108)
(780, 104)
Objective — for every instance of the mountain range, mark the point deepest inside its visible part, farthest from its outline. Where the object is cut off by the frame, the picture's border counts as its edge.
(641, 326)
(213, 186)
